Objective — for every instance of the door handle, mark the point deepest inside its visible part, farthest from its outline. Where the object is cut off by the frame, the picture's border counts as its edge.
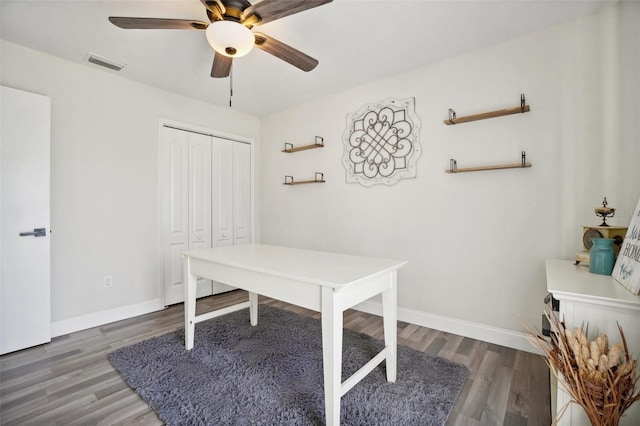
(37, 232)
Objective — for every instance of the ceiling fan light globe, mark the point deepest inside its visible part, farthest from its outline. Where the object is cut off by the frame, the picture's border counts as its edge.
(230, 38)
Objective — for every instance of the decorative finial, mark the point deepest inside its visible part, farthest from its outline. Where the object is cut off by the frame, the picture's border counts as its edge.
(604, 212)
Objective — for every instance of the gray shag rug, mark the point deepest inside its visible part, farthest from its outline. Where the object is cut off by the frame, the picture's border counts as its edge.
(271, 374)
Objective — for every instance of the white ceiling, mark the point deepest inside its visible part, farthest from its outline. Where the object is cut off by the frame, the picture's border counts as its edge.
(356, 41)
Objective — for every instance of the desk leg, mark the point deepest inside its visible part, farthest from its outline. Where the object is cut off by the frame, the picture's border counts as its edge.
(390, 320)
(190, 287)
(331, 355)
(253, 308)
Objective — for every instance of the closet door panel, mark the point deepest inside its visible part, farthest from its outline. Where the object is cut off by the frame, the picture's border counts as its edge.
(178, 192)
(175, 163)
(222, 206)
(175, 260)
(199, 189)
(185, 159)
(241, 193)
(200, 199)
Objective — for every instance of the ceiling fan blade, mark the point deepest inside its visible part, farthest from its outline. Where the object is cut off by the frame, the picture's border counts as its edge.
(270, 10)
(157, 23)
(285, 52)
(221, 66)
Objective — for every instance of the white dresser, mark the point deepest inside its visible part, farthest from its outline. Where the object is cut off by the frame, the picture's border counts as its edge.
(600, 301)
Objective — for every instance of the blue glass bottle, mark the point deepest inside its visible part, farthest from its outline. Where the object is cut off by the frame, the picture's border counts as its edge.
(601, 256)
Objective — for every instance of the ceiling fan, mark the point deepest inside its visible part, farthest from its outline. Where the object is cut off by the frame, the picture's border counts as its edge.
(229, 30)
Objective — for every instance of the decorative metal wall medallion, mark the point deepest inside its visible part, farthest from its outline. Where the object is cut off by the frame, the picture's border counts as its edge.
(381, 142)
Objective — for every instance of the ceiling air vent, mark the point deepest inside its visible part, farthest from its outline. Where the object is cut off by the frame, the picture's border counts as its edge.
(103, 62)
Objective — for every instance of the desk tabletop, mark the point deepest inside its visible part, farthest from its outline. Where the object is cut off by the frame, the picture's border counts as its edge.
(316, 267)
(568, 281)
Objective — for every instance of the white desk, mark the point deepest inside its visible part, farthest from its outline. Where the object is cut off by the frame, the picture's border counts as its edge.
(328, 283)
(600, 301)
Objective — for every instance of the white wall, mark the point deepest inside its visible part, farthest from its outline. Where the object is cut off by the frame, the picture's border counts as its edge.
(104, 154)
(628, 183)
(475, 242)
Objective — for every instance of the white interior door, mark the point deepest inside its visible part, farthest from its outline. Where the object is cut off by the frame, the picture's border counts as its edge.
(186, 186)
(25, 295)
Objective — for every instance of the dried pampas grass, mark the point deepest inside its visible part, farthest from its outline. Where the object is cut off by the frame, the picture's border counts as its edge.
(601, 379)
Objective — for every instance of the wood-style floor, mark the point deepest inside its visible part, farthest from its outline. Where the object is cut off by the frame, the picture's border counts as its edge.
(70, 381)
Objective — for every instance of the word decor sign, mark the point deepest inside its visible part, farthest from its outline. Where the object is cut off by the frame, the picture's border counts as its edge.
(627, 268)
(381, 142)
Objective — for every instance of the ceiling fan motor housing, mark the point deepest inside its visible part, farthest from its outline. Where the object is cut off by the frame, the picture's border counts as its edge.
(234, 9)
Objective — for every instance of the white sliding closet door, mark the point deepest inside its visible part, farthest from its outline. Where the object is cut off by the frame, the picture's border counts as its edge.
(186, 187)
(206, 201)
(231, 177)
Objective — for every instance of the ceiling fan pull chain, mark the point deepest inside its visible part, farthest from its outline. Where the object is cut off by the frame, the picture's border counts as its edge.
(230, 85)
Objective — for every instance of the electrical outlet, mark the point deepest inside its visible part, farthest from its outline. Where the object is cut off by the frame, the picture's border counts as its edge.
(108, 281)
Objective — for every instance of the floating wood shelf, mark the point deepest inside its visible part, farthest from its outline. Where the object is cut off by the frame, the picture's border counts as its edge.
(319, 178)
(496, 167)
(289, 148)
(453, 166)
(483, 116)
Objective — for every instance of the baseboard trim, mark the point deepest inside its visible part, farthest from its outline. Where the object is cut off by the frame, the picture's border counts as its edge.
(498, 336)
(83, 322)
